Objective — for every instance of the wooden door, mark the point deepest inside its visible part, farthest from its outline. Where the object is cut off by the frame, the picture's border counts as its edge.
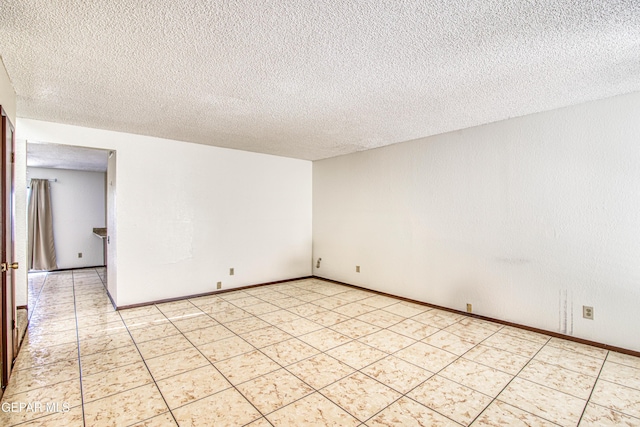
(8, 322)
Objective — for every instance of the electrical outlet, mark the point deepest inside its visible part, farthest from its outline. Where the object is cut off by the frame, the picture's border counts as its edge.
(231, 271)
(219, 285)
(357, 269)
(79, 254)
(469, 308)
(587, 312)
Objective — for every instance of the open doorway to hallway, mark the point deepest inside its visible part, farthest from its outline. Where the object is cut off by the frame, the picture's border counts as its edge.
(81, 206)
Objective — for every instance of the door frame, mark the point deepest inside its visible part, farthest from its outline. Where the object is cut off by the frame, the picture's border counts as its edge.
(7, 249)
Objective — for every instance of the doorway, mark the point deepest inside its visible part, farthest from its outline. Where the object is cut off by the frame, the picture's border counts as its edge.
(84, 218)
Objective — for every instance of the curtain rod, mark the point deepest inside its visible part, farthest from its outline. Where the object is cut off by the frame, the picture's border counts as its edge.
(50, 180)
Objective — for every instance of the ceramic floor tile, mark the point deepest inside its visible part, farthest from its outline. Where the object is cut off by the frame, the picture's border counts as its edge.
(51, 339)
(299, 327)
(324, 339)
(33, 356)
(408, 413)
(568, 359)
(360, 395)
(153, 332)
(174, 305)
(162, 420)
(175, 363)
(328, 318)
(226, 408)
(551, 387)
(453, 400)
(98, 362)
(355, 328)
(510, 343)
(225, 348)
(162, 346)
(266, 336)
(261, 422)
(558, 378)
(288, 352)
(502, 414)
(42, 376)
(205, 300)
(356, 354)
(320, 371)
(187, 387)
(621, 374)
(426, 356)
(414, 329)
(245, 301)
(624, 359)
(617, 397)
(404, 310)
(214, 306)
(274, 390)
(246, 366)
(479, 377)
(125, 408)
(355, 309)
(71, 418)
(60, 396)
(114, 381)
(544, 402)
(527, 335)
(230, 315)
(438, 318)
(279, 316)
(102, 330)
(99, 345)
(330, 303)
(496, 358)
(379, 301)
(587, 350)
(191, 323)
(138, 312)
(381, 318)
(469, 332)
(598, 416)
(387, 341)
(449, 342)
(312, 411)
(396, 373)
(202, 336)
(247, 324)
(286, 302)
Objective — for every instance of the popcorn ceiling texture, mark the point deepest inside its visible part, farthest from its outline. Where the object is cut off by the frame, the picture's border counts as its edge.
(312, 79)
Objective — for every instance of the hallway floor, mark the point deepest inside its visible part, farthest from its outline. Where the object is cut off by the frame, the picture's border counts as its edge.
(301, 353)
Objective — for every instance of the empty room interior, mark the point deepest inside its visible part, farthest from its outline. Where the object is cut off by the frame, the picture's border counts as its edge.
(289, 213)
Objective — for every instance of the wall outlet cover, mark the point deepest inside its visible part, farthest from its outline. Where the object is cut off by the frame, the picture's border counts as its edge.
(587, 312)
(357, 269)
(219, 285)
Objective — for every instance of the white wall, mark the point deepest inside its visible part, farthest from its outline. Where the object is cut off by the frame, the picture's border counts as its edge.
(528, 219)
(78, 205)
(186, 213)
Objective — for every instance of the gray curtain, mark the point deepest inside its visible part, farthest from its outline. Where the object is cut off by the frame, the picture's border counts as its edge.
(42, 253)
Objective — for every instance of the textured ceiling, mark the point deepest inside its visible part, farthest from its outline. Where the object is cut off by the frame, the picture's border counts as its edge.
(66, 157)
(312, 79)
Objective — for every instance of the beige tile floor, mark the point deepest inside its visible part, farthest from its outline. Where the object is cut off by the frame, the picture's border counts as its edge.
(301, 353)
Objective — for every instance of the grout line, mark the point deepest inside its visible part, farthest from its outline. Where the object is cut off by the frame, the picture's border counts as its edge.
(593, 388)
(75, 312)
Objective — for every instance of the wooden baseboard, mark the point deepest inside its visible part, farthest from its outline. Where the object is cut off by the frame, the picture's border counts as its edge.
(221, 291)
(491, 319)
